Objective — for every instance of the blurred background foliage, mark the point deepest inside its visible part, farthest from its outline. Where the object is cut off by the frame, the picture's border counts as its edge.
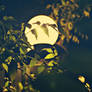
(54, 72)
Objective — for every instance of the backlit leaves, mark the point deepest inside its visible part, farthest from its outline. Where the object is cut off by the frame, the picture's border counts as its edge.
(83, 80)
(52, 53)
(67, 13)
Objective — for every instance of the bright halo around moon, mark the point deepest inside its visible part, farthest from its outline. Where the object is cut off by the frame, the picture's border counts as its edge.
(41, 29)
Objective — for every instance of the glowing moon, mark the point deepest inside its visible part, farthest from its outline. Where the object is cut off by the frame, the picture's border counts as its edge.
(36, 33)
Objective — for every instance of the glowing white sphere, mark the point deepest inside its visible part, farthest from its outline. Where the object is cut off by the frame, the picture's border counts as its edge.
(41, 36)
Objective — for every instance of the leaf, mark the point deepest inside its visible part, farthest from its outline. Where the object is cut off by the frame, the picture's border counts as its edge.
(60, 71)
(63, 2)
(20, 86)
(22, 26)
(11, 18)
(32, 76)
(28, 25)
(48, 6)
(2, 7)
(54, 26)
(34, 32)
(48, 50)
(56, 53)
(70, 25)
(11, 87)
(5, 67)
(5, 18)
(5, 90)
(33, 62)
(41, 69)
(8, 18)
(6, 84)
(12, 76)
(21, 51)
(38, 23)
(14, 38)
(51, 63)
(8, 60)
(55, 11)
(49, 56)
(87, 85)
(81, 78)
(86, 13)
(45, 29)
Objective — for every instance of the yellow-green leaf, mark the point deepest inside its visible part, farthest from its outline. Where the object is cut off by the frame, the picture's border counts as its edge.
(56, 53)
(63, 2)
(51, 63)
(20, 86)
(6, 84)
(8, 60)
(48, 50)
(49, 56)
(5, 90)
(22, 26)
(21, 51)
(87, 85)
(5, 67)
(33, 62)
(41, 69)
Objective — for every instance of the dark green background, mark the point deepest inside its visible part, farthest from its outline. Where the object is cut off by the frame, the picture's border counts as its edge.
(79, 59)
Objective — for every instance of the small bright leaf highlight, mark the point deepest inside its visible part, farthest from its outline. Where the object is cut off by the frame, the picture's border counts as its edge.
(81, 78)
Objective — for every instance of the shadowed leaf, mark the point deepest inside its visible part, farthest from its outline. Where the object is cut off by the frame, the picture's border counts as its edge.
(34, 32)
(45, 29)
(54, 26)
(28, 25)
(38, 23)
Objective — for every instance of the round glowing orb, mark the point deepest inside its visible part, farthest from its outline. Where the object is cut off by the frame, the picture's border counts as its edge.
(41, 29)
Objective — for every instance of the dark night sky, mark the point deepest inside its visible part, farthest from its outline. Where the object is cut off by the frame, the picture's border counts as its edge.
(80, 56)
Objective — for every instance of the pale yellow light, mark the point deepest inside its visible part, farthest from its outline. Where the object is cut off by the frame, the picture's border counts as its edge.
(42, 37)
